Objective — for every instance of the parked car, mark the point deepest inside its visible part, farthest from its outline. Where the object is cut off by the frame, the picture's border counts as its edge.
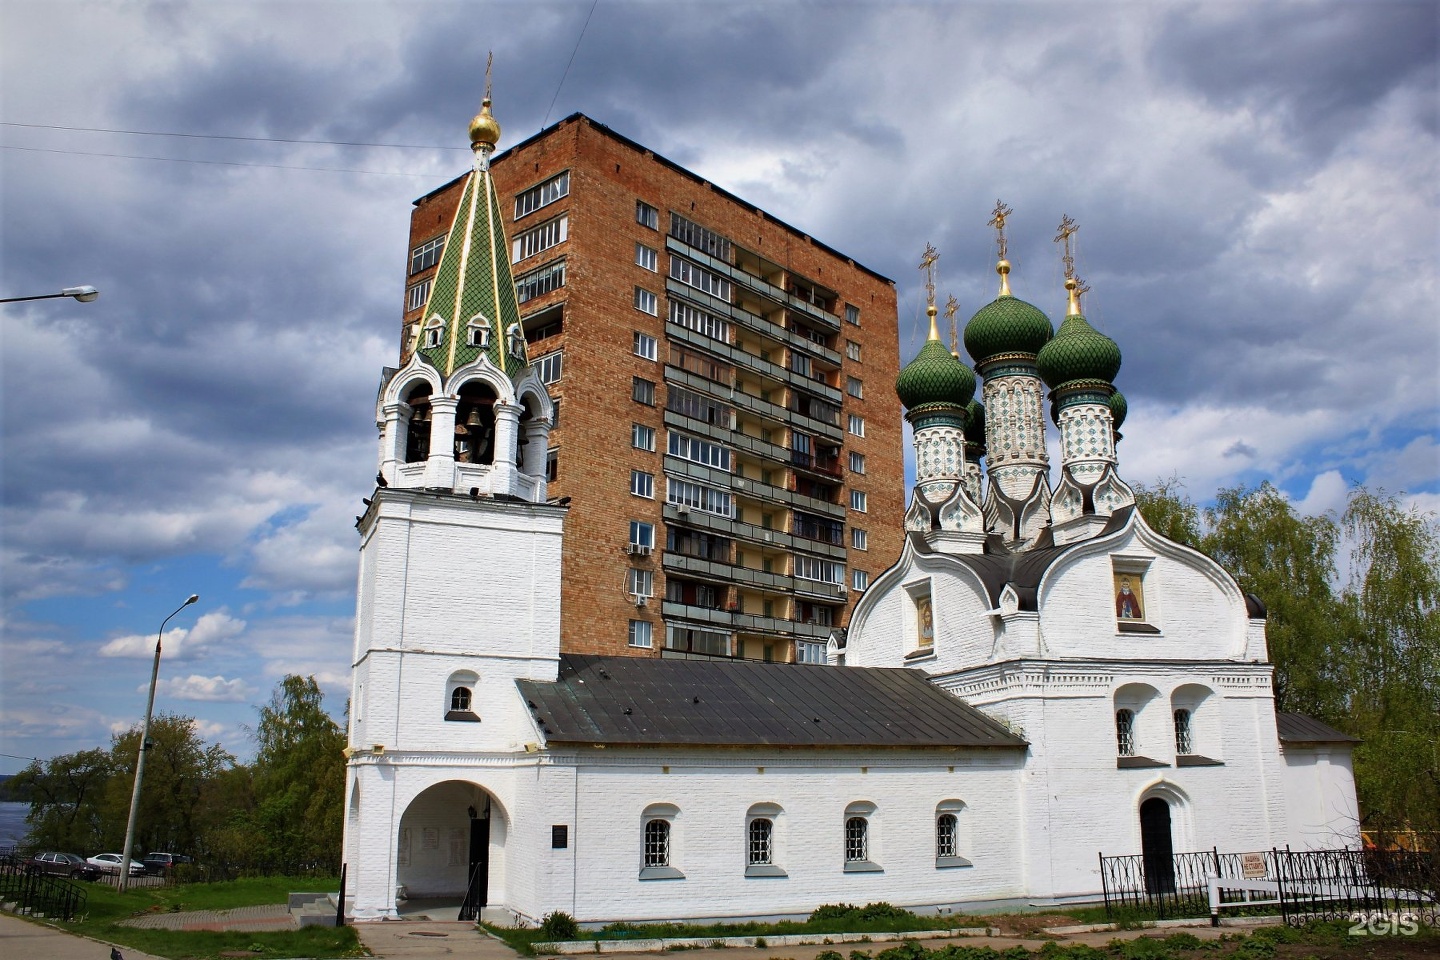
(159, 864)
(110, 863)
(63, 865)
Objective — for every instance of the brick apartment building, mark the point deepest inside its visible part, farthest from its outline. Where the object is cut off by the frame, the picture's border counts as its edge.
(726, 425)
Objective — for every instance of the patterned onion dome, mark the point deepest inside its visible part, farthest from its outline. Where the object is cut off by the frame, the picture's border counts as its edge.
(935, 376)
(1007, 325)
(1078, 352)
(1118, 408)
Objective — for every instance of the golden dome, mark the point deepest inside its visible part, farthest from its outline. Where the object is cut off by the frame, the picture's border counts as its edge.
(484, 128)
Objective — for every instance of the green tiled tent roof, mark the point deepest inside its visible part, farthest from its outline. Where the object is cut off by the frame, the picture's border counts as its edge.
(1007, 325)
(1078, 352)
(935, 376)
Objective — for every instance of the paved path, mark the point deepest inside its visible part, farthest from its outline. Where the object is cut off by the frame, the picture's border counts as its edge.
(275, 916)
(31, 940)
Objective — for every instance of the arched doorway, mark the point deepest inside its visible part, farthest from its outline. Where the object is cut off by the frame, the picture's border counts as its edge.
(451, 847)
(1157, 849)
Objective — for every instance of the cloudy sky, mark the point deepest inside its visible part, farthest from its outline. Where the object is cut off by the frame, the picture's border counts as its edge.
(1255, 186)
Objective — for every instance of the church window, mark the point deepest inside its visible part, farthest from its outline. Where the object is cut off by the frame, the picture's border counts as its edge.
(460, 697)
(1125, 732)
(417, 427)
(945, 835)
(857, 839)
(658, 842)
(477, 332)
(951, 834)
(1183, 742)
(434, 331)
(475, 424)
(762, 833)
(515, 337)
(762, 840)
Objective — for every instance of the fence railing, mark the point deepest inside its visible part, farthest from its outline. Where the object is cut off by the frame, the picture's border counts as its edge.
(39, 895)
(1310, 884)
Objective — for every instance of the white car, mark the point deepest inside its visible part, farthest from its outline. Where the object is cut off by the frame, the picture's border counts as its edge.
(110, 863)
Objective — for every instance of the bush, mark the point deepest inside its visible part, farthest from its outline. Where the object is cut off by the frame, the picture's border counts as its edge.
(1183, 941)
(831, 911)
(559, 925)
(884, 911)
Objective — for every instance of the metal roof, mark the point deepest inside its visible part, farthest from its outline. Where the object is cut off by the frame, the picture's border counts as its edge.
(1298, 728)
(647, 701)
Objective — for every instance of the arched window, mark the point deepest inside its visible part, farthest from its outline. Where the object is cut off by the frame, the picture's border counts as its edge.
(762, 840)
(434, 331)
(417, 429)
(477, 332)
(658, 851)
(762, 836)
(460, 696)
(657, 843)
(952, 834)
(1183, 744)
(859, 842)
(516, 336)
(475, 424)
(1125, 732)
(945, 825)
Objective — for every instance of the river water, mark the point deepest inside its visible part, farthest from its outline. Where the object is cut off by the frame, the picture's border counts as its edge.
(12, 824)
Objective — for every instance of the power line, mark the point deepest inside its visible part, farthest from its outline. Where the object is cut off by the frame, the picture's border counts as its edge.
(217, 136)
(226, 163)
(546, 121)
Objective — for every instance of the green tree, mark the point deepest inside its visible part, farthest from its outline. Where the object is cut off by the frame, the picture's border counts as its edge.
(66, 793)
(1169, 511)
(299, 774)
(179, 767)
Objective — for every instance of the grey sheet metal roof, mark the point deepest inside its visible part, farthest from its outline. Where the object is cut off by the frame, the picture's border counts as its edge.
(1298, 728)
(641, 700)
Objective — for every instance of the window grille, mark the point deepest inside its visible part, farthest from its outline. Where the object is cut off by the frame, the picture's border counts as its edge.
(945, 835)
(460, 699)
(1125, 732)
(762, 832)
(1183, 744)
(857, 839)
(657, 843)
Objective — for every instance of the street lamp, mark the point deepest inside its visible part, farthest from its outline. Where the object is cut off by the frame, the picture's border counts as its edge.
(144, 745)
(84, 294)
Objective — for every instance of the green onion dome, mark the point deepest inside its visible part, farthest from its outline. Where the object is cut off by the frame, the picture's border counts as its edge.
(1079, 351)
(1006, 325)
(1118, 408)
(935, 376)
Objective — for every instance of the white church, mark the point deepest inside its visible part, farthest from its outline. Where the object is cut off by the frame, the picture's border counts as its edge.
(1040, 678)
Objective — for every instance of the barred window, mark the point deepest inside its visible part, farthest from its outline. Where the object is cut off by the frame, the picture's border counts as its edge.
(657, 843)
(540, 239)
(426, 255)
(857, 839)
(693, 235)
(551, 366)
(460, 698)
(701, 279)
(703, 323)
(1125, 732)
(945, 835)
(1183, 743)
(543, 195)
(762, 833)
(530, 285)
(699, 451)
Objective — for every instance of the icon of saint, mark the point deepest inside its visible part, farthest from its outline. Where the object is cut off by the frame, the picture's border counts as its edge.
(1127, 605)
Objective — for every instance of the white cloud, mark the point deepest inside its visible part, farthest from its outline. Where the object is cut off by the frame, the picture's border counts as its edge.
(209, 689)
(1328, 492)
(179, 643)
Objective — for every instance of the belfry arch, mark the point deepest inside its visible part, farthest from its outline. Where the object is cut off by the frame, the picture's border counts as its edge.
(451, 846)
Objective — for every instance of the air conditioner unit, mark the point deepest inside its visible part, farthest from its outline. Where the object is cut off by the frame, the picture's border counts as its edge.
(683, 511)
(630, 548)
(642, 550)
(641, 601)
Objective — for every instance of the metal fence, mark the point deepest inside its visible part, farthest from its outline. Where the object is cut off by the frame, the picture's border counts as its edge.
(38, 895)
(1311, 884)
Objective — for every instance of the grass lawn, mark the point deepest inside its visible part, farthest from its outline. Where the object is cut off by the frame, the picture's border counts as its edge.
(106, 907)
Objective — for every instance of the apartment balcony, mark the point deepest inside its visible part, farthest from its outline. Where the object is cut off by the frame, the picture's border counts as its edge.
(739, 530)
(749, 403)
(718, 570)
(757, 285)
(826, 466)
(739, 622)
(750, 488)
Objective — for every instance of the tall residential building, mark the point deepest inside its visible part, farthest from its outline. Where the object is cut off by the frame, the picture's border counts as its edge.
(725, 427)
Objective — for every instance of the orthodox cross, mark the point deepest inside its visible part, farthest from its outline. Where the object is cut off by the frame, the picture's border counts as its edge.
(489, 62)
(997, 220)
(927, 263)
(1067, 230)
(951, 306)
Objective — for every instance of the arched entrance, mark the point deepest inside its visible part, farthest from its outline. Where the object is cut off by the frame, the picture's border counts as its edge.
(1157, 848)
(451, 847)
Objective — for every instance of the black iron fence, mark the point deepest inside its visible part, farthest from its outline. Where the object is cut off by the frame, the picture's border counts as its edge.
(1353, 885)
(38, 895)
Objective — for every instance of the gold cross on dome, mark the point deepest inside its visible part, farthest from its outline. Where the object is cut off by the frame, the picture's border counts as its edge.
(951, 307)
(927, 263)
(997, 220)
(1067, 231)
(489, 62)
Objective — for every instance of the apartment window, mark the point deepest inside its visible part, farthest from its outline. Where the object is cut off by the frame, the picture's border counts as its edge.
(416, 296)
(858, 501)
(642, 484)
(1125, 732)
(647, 257)
(551, 366)
(855, 387)
(859, 580)
(646, 301)
(697, 641)
(1183, 742)
(543, 195)
(642, 437)
(643, 391)
(646, 215)
(699, 451)
(814, 568)
(697, 406)
(701, 279)
(800, 363)
(684, 493)
(646, 346)
(852, 314)
(555, 412)
(857, 462)
(642, 534)
(543, 331)
(701, 364)
(642, 583)
(552, 464)
(705, 324)
(642, 634)
(530, 285)
(859, 539)
(807, 652)
(852, 350)
(426, 255)
(857, 425)
(694, 235)
(539, 239)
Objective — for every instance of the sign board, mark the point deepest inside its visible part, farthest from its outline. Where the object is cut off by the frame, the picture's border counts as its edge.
(1252, 866)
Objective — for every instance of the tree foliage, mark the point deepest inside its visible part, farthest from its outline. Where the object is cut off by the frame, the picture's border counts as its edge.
(65, 799)
(1359, 650)
(299, 773)
(179, 766)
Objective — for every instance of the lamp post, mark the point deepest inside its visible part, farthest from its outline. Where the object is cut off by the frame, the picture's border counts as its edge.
(144, 745)
(84, 294)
